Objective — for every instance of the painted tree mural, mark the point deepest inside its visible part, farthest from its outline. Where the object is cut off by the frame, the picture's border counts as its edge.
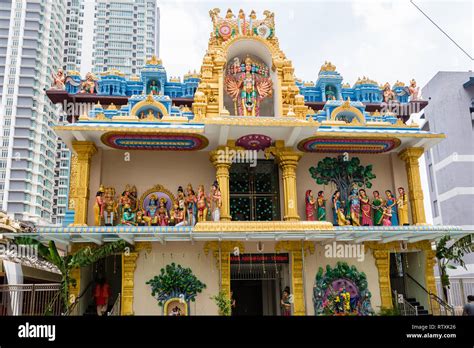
(344, 173)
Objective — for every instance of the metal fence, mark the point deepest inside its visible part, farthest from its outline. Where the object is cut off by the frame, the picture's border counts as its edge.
(457, 293)
(30, 299)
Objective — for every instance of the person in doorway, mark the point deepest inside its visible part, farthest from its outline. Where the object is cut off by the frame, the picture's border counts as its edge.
(101, 295)
(469, 306)
(285, 303)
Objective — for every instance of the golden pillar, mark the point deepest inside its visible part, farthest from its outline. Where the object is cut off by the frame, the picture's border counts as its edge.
(221, 252)
(296, 249)
(221, 159)
(288, 159)
(74, 290)
(415, 193)
(430, 281)
(129, 263)
(84, 151)
(382, 261)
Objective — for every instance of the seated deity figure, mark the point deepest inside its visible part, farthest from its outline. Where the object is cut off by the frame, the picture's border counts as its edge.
(413, 90)
(128, 217)
(354, 207)
(163, 216)
(152, 210)
(388, 94)
(216, 201)
(142, 219)
(191, 205)
(177, 216)
(202, 206)
(321, 206)
(89, 85)
(58, 79)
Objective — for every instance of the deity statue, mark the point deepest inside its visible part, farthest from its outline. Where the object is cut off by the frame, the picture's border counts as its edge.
(133, 196)
(178, 216)
(214, 14)
(321, 206)
(89, 85)
(124, 200)
(338, 210)
(413, 90)
(99, 206)
(163, 216)
(181, 198)
(152, 210)
(229, 14)
(248, 86)
(392, 204)
(252, 19)
(402, 205)
(241, 22)
(191, 205)
(128, 217)
(387, 216)
(142, 219)
(310, 205)
(388, 94)
(365, 208)
(354, 207)
(58, 79)
(377, 205)
(216, 201)
(110, 207)
(154, 88)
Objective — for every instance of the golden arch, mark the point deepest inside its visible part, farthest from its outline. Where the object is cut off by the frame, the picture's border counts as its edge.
(346, 107)
(150, 102)
(274, 51)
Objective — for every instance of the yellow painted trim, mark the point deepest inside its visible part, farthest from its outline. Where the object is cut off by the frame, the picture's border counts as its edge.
(174, 299)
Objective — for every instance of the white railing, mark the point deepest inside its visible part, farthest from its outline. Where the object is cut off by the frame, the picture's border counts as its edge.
(30, 299)
(460, 288)
(116, 307)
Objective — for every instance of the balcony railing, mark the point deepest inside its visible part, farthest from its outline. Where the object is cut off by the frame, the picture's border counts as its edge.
(30, 299)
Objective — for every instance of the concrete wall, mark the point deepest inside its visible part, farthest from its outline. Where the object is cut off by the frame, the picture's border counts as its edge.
(388, 168)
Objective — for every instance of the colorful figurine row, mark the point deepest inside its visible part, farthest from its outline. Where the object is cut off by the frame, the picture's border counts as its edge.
(360, 210)
(188, 208)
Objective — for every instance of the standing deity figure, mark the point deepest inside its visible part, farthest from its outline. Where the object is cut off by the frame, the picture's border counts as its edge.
(321, 206)
(365, 208)
(99, 206)
(152, 210)
(354, 207)
(133, 196)
(89, 84)
(128, 217)
(388, 94)
(413, 90)
(124, 200)
(310, 205)
(202, 205)
(154, 90)
(247, 87)
(191, 205)
(377, 205)
(252, 19)
(402, 205)
(216, 201)
(241, 22)
(338, 210)
(58, 79)
(229, 14)
(110, 207)
(392, 204)
(162, 213)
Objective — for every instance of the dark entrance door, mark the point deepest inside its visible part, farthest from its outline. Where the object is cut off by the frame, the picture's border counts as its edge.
(397, 273)
(254, 191)
(248, 297)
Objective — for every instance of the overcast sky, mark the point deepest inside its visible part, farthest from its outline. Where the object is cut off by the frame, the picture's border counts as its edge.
(384, 40)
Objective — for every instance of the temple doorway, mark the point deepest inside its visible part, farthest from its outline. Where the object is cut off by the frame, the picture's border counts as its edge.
(257, 281)
(254, 191)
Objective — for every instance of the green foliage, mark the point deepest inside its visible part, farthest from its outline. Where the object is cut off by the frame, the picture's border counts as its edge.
(82, 258)
(343, 174)
(452, 254)
(223, 302)
(175, 281)
(389, 311)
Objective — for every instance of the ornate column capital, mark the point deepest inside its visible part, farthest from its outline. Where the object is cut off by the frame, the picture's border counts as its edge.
(295, 245)
(84, 149)
(411, 153)
(283, 154)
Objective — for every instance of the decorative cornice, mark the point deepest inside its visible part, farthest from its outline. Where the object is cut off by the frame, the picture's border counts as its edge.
(261, 226)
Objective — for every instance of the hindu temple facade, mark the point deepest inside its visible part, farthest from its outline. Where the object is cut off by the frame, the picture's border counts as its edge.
(233, 172)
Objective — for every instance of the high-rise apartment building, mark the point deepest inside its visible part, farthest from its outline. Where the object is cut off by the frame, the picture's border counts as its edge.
(74, 34)
(125, 33)
(31, 48)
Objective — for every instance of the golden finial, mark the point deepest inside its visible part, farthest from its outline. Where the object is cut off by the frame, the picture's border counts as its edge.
(346, 85)
(112, 107)
(154, 61)
(398, 84)
(229, 14)
(376, 113)
(327, 66)
(149, 98)
(73, 73)
(98, 105)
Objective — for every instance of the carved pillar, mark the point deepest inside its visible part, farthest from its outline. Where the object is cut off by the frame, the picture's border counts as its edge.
(129, 263)
(221, 159)
(288, 160)
(296, 249)
(382, 261)
(84, 151)
(430, 261)
(221, 252)
(415, 193)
